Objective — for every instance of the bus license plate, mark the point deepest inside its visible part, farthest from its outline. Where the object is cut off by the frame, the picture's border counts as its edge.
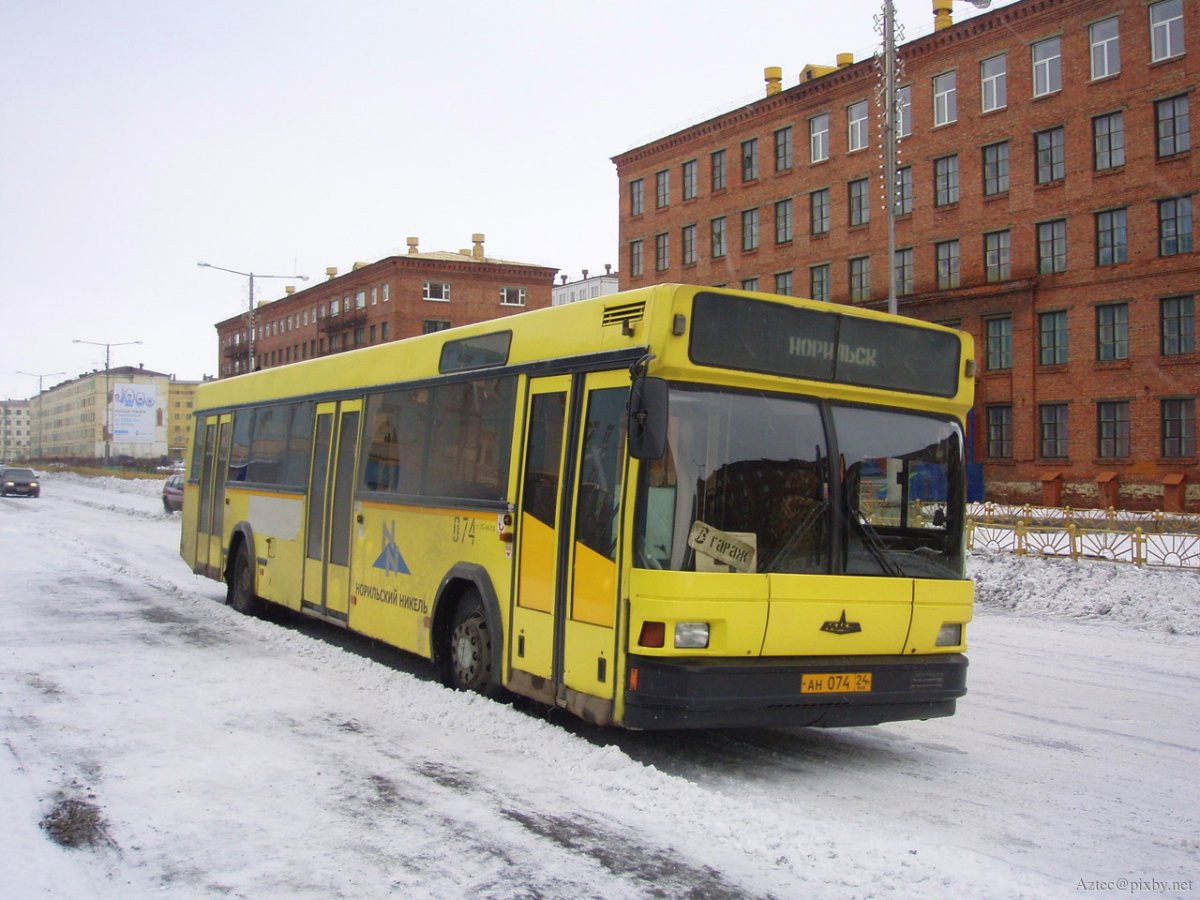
(836, 683)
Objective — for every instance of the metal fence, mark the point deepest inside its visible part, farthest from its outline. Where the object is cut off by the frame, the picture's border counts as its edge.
(1144, 539)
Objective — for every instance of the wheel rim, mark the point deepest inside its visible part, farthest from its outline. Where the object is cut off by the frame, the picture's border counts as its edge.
(467, 651)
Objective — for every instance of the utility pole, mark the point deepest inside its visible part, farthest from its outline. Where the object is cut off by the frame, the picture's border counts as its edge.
(39, 376)
(107, 389)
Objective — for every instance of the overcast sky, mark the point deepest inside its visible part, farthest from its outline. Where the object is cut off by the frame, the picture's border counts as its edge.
(138, 138)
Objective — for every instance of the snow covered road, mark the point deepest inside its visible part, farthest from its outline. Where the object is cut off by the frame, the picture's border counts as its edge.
(197, 752)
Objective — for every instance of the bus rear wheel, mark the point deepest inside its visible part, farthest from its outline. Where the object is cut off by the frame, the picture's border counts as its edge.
(241, 594)
(469, 656)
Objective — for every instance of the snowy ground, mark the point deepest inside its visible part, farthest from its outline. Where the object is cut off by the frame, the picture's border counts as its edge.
(193, 752)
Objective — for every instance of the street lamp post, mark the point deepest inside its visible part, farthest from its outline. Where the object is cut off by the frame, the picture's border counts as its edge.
(889, 72)
(250, 315)
(107, 388)
(39, 376)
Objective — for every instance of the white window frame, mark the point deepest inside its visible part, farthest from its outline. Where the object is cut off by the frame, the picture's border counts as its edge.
(945, 98)
(818, 138)
(512, 296)
(904, 111)
(1161, 45)
(993, 86)
(386, 292)
(857, 137)
(436, 291)
(1104, 62)
(1047, 66)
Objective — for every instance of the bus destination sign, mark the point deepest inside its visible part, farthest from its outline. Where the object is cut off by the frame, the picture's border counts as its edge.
(741, 333)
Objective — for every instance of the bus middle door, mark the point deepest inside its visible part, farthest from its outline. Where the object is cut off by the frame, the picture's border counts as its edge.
(210, 540)
(330, 525)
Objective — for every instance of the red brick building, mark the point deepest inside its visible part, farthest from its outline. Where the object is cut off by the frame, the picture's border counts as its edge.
(1047, 176)
(396, 297)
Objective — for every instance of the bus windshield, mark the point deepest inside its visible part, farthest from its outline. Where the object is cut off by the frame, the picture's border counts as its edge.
(746, 484)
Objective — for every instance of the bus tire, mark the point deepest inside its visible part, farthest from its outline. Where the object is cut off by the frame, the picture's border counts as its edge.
(241, 594)
(469, 656)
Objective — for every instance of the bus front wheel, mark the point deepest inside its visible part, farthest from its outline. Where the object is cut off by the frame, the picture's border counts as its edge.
(469, 660)
(241, 594)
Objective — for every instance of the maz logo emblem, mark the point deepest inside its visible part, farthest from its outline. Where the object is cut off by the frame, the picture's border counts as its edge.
(841, 626)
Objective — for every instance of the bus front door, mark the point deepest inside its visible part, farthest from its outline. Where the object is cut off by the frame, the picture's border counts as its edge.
(538, 535)
(562, 642)
(329, 527)
(210, 541)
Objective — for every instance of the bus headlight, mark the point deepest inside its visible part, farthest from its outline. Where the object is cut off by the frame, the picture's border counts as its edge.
(949, 635)
(691, 635)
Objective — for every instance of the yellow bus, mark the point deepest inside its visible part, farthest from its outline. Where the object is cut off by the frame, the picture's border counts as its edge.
(674, 507)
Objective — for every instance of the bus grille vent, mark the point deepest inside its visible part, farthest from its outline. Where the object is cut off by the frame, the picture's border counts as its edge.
(624, 312)
(928, 681)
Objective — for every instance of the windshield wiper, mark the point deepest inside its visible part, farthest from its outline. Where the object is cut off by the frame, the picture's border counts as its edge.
(814, 515)
(874, 544)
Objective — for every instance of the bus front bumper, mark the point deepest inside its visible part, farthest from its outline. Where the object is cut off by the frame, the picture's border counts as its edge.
(717, 693)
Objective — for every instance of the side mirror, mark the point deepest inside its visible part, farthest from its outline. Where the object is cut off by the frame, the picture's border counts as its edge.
(647, 424)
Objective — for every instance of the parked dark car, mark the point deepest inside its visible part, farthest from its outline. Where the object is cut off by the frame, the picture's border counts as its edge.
(173, 493)
(19, 481)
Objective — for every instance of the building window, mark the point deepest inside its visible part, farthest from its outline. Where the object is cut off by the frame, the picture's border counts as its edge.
(997, 255)
(818, 202)
(947, 255)
(945, 101)
(783, 149)
(818, 138)
(386, 292)
(783, 221)
(717, 159)
(687, 241)
(750, 229)
(995, 169)
(902, 272)
(1052, 246)
(999, 343)
(818, 282)
(749, 284)
(433, 290)
(860, 201)
(1166, 29)
(904, 191)
(512, 296)
(662, 252)
(1178, 316)
(635, 259)
(1000, 429)
(945, 180)
(993, 82)
(662, 189)
(904, 111)
(1179, 427)
(1108, 139)
(860, 278)
(783, 283)
(1047, 67)
(691, 179)
(1051, 155)
(360, 299)
(1106, 47)
(1174, 226)
(1173, 128)
(1053, 420)
(719, 245)
(1113, 429)
(637, 198)
(1112, 331)
(1052, 338)
(750, 159)
(1112, 240)
(430, 326)
(856, 126)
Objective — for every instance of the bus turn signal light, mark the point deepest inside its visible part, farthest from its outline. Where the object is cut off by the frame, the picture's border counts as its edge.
(653, 634)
